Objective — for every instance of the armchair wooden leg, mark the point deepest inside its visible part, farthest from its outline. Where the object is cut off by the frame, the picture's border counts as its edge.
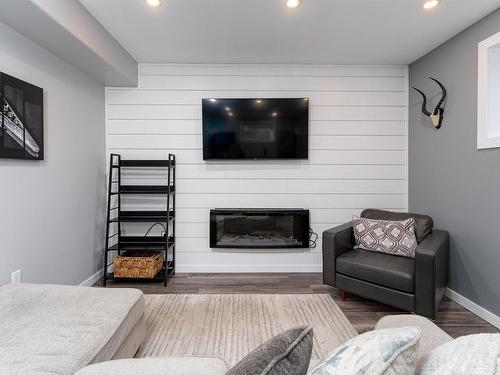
(343, 295)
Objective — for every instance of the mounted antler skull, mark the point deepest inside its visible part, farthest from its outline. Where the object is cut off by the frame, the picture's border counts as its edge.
(436, 115)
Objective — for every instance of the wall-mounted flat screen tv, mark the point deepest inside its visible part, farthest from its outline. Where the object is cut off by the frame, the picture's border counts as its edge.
(255, 128)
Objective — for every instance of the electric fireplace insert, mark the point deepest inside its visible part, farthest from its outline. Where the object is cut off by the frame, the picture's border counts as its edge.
(259, 228)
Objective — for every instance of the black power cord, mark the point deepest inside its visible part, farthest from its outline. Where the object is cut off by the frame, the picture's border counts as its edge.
(152, 226)
(313, 238)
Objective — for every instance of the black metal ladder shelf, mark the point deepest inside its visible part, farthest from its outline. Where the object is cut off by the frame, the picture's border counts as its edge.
(116, 242)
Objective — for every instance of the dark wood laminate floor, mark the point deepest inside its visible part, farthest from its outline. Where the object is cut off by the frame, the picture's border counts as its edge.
(362, 313)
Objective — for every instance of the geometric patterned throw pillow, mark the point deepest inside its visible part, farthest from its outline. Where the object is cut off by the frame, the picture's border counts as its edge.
(390, 237)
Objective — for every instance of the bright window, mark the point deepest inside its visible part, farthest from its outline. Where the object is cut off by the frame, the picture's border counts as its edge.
(488, 124)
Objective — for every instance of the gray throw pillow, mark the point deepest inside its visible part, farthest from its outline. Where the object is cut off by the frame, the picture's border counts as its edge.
(288, 353)
(384, 236)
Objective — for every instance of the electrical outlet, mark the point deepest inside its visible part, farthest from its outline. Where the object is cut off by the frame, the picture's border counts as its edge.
(15, 277)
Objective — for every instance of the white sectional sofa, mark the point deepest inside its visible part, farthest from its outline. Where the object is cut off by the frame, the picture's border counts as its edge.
(56, 329)
(63, 330)
(431, 337)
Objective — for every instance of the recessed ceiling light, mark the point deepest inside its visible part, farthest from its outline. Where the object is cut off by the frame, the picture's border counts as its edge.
(227, 109)
(292, 3)
(230, 114)
(213, 100)
(275, 114)
(258, 101)
(429, 4)
(154, 3)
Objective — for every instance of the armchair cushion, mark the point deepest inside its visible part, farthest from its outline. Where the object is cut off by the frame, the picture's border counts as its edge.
(423, 223)
(391, 271)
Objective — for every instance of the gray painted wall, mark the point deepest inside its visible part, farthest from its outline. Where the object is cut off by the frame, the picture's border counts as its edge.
(51, 220)
(449, 179)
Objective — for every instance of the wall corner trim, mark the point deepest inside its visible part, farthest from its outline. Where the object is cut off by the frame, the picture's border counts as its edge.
(473, 307)
(91, 280)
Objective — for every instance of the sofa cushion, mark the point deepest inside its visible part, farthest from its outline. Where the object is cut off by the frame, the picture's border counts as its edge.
(423, 223)
(391, 271)
(158, 366)
(472, 355)
(58, 329)
(380, 352)
(288, 353)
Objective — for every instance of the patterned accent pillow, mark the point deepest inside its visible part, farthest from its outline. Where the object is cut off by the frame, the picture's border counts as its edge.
(288, 353)
(384, 236)
(391, 351)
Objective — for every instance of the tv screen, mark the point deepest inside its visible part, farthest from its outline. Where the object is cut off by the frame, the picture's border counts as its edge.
(255, 128)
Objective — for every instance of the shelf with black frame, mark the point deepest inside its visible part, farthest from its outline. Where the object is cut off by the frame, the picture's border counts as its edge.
(116, 243)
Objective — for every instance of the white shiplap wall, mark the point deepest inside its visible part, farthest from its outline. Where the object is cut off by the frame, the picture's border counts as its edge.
(357, 156)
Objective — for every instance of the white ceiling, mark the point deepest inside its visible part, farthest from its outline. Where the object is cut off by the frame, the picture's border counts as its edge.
(265, 31)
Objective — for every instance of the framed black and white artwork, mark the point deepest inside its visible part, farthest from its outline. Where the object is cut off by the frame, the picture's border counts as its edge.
(21, 121)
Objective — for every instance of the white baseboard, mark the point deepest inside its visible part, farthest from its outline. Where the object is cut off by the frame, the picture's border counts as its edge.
(233, 268)
(473, 307)
(92, 279)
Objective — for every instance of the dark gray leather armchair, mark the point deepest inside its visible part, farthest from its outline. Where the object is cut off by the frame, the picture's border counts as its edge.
(415, 285)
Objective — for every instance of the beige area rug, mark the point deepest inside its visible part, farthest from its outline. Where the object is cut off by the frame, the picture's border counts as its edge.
(228, 326)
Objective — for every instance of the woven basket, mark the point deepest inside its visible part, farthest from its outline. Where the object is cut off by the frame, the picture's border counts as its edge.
(138, 264)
